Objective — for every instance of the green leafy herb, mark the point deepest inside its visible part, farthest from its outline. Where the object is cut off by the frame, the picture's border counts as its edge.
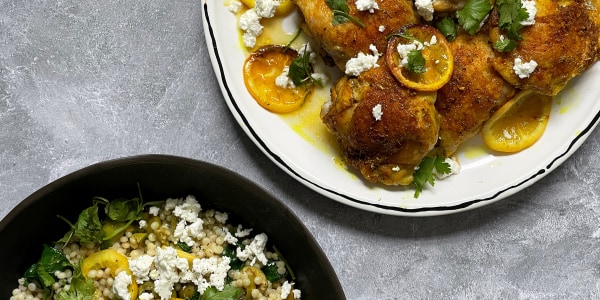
(81, 289)
(42, 272)
(234, 262)
(87, 229)
(425, 173)
(300, 71)
(447, 27)
(195, 296)
(270, 271)
(228, 293)
(341, 13)
(472, 15)
(505, 45)
(416, 62)
(184, 247)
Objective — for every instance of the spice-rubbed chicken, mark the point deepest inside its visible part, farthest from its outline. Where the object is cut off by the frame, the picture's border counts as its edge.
(344, 41)
(563, 42)
(473, 93)
(382, 128)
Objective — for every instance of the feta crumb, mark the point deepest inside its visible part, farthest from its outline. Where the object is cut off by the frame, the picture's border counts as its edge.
(404, 49)
(213, 268)
(284, 80)
(229, 238)
(142, 223)
(425, 9)
(286, 289)
(154, 210)
(529, 6)
(297, 293)
(234, 6)
(121, 285)
(250, 23)
(454, 168)
(376, 112)
(254, 250)
(370, 5)
(140, 267)
(362, 62)
(168, 268)
(188, 210)
(396, 169)
(242, 232)
(381, 28)
(266, 8)
(221, 217)
(524, 69)
(146, 296)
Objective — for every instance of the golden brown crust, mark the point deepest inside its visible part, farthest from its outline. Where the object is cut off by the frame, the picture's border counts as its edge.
(473, 93)
(345, 41)
(563, 42)
(385, 150)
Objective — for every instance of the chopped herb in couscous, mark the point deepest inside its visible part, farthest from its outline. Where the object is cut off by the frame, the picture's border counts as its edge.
(169, 249)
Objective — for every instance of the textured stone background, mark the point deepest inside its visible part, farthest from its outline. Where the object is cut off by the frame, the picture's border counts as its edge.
(85, 81)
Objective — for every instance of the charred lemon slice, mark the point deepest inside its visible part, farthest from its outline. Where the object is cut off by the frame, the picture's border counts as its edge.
(261, 70)
(519, 123)
(419, 57)
(285, 6)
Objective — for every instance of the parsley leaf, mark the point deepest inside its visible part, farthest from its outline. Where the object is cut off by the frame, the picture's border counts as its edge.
(416, 62)
(447, 27)
(425, 173)
(472, 14)
(341, 13)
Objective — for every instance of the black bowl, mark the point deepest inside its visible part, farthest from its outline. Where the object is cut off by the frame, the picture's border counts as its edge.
(33, 222)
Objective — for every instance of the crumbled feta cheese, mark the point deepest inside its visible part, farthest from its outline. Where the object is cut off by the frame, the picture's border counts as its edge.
(376, 112)
(229, 238)
(234, 6)
(306, 48)
(396, 168)
(529, 6)
(169, 268)
(425, 9)
(254, 250)
(215, 269)
(404, 49)
(370, 5)
(146, 296)
(142, 223)
(524, 69)
(154, 210)
(266, 8)
(381, 28)
(241, 232)
(121, 285)
(250, 23)
(362, 62)
(454, 168)
(140, 267)
(284, 80)
(188, 210)
(286, 289)
(297, 294)
(188, 233)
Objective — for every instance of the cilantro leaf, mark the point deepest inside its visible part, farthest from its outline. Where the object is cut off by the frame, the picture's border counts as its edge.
(81, 289)
(425, 173)
(87, 229)
(505, 45)
(447, 27)
(510, 15)
(228, 293)
(42, 272)
(416, 62)
(300, 71)
(341, 13)
(270, 271)
(472, 15)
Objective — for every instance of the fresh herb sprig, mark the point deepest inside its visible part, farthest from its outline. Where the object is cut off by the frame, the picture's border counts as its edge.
(472, 15)
(415, 60)
(341, 13)
(511, 14)
(425, 173)
(300, 71)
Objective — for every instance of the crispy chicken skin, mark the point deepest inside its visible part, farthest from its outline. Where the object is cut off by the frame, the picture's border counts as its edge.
(473, 93)
(385, 150)
(448, 5)
(345, 41)
(563, 41)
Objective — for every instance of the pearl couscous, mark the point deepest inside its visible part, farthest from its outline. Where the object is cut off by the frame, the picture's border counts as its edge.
(171, 249)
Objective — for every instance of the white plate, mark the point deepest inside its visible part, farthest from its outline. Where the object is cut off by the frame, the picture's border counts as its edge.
(310, 158)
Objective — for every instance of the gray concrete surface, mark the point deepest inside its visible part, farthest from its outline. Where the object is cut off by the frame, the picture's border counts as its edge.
(85, 81)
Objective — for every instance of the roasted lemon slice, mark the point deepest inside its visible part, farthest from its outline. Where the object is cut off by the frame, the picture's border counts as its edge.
(419, 57)
(284, 7)
(261, 70)
(519, 123)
